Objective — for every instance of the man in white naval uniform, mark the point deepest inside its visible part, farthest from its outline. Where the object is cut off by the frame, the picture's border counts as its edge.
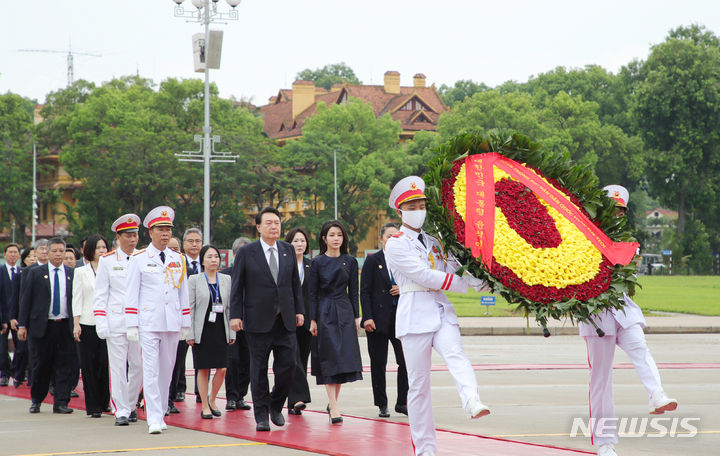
(425, 318)
(623, 328)
(109, 310)
(157, 311)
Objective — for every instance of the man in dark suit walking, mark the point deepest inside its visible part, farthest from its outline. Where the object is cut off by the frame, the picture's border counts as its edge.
(379, 297)
(46, 317)
(266, 301)
(9, 294)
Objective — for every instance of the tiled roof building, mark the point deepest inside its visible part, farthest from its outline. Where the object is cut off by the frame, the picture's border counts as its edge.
(416, 108)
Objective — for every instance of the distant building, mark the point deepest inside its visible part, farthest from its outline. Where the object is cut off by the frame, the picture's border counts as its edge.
(658, 222)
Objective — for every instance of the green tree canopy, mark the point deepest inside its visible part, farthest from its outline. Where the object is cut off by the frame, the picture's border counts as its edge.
(461, 90)
(329, 75)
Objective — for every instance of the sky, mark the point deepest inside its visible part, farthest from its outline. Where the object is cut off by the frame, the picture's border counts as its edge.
(273, 40)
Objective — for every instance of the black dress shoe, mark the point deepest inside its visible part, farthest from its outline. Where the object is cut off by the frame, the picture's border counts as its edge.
(230, 405)
(292, 411)
(4, 380)
(208, 416)
(106, 409)
(17, 383)
(383, 412)
(262, 426)
(179, 397)
(197, 399)
(133, 417)
(96, 414)
(277, 418)
(35, 407)
(172, 408)
(401, 409)
(242, 405)
(62, 409)
(298, 408)
(122, 421)
(74, 394)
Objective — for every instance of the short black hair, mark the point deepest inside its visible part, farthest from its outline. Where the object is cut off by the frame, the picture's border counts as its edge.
(91, 246)
(386, 226)
(324, 231)
(266, 210)
(55, 240)
(291, 235)
(204, 250)
(12, 244)
(25, 253)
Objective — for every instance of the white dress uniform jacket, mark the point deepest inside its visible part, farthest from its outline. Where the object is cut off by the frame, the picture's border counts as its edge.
(422, 274)
(110, 285)
(160, 300)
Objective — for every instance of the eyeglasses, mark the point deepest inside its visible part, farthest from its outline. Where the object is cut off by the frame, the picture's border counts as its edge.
(193, 241)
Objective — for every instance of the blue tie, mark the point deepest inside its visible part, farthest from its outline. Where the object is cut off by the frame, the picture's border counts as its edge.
(392, 282)
(56, 294)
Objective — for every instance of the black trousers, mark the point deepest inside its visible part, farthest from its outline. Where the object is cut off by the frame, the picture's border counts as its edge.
(283, 345)
(237, 376)
(300, 391)
(95, 370)
(378, 350)
(17, 367)
(178, 383)
(54, 353)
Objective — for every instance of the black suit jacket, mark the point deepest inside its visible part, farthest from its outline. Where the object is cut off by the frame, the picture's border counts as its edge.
(254, 293)
(377, 302)
(9, 294)
(306, 291)
(35, 301)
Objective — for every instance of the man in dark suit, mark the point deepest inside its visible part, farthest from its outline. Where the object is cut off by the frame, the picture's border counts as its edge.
(46, 317)
(266, 301)
(9, 296)
(379, 297)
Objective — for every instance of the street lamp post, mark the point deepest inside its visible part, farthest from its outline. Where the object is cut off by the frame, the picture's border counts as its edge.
(207, 12)
(34, 194)
(335, 179)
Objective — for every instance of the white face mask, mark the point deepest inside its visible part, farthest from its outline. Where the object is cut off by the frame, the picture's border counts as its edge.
(414, 219)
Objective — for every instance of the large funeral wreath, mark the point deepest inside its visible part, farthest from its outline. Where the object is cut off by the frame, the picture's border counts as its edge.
(540, 257)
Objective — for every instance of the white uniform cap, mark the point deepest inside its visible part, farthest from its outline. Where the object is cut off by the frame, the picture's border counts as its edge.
(128, 223)
(618, 193)
(160, 216)
(408, 189)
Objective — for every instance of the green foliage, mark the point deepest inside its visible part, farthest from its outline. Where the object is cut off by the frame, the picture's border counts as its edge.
(369, 159)
(460, 91)
(16, 125)
(576, 178)
(329, 75)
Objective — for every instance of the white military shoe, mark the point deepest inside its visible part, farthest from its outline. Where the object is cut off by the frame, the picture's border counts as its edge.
(661, 403)
(607, 450)
(155, 429)
(476, 409)
(427, 453)
(163, 426)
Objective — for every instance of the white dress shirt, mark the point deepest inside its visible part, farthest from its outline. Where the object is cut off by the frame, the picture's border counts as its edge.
(64, 313)
(83, 294)
(266, 249)
(197, 262)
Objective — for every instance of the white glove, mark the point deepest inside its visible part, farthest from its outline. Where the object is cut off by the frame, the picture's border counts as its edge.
(102, 331)
(477, 284)
(132, 334)
(186, 334)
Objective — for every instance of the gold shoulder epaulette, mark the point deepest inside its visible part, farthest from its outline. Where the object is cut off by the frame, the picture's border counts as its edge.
(139, 252)
(109, 253)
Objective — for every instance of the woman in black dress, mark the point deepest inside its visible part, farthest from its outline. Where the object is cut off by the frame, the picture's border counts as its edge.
(299, 394)
(210, 327)
(334, 314)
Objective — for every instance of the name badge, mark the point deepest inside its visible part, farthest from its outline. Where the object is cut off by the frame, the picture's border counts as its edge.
(118, 268)
(217, 308)
(212, 317)
(151, 265)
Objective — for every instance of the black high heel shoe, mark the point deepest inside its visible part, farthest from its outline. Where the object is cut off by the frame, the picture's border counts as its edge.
(213, 411)
(209, 416)
(335, 420)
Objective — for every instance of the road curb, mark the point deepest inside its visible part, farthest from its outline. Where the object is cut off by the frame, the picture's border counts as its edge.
(572, 331)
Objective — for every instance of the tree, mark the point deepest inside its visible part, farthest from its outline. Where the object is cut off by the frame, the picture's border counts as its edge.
(329, 75)
(16, 138)
(676, 108)
(369, 159)
(462, 89)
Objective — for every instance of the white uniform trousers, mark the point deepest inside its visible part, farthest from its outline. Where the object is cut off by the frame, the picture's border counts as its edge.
(601, 352)
(125, 374)
(417, 349)
(159, 350)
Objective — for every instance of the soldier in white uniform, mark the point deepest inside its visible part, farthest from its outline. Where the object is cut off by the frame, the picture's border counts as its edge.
(425, 318)
(109, 310)
(623, 328)
(157, 311)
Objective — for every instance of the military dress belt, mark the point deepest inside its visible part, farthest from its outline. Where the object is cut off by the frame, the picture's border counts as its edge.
(413, 287)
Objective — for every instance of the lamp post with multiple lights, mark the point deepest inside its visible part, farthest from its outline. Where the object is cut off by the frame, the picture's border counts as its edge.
(206, 12)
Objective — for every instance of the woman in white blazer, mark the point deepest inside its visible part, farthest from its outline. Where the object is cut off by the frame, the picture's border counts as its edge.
(93, 350)
(210, 327)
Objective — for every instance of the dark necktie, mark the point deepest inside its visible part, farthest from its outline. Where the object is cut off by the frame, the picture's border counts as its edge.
(128, 258)
(272, 262)
(392, 282)
(421, 239)
(195, 269)
(12, 272)
(162, 257)
(56, 294)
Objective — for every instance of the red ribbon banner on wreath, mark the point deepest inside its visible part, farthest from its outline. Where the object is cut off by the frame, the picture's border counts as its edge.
(480, 209)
